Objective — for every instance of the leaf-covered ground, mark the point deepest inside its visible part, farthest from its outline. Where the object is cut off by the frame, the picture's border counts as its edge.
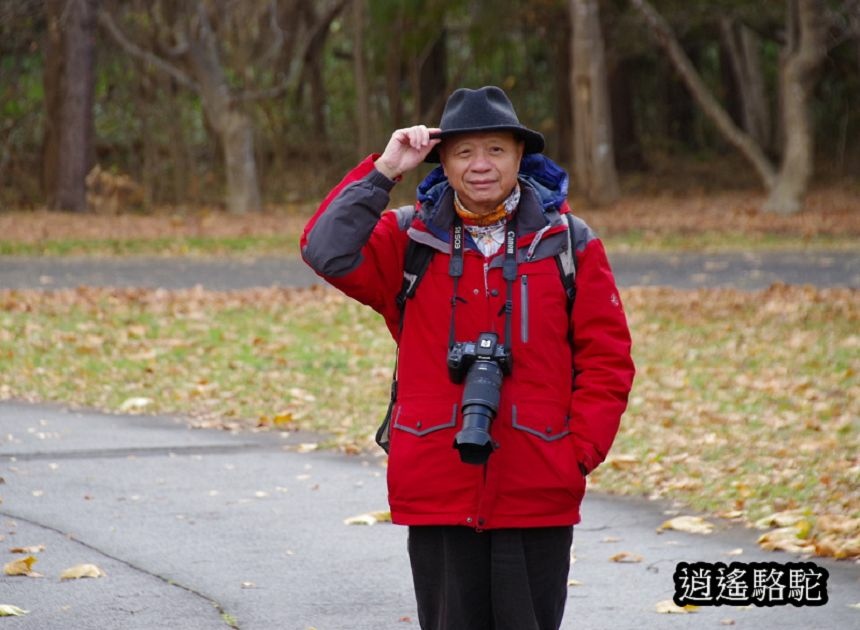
(717, 221)
(745, 404)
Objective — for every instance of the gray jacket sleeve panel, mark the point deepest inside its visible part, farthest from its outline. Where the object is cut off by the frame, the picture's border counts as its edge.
(582, 234)
(334, 244)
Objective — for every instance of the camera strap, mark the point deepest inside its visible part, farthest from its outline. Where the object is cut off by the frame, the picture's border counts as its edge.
(455, 270)
(509, 273)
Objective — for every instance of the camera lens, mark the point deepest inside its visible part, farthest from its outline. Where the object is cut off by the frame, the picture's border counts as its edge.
(480, 402)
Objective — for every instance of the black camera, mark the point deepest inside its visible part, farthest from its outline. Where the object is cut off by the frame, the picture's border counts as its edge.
(481, 365)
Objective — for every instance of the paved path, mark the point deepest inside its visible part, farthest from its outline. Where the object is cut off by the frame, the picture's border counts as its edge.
(687, 270)
(197, 527)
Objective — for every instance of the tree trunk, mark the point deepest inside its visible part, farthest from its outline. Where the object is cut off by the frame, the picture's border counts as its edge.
(313, 77)
(231, 124)
(678, 107)
(52, 82)
(146, 94)
(560, 40)
(433, 79)
(185, 179)
(743, 46)
(625, 137)
(316, 83)
(394, 71)
(237, 142)
(75, 132)
(802, 57)
(362, 90)
(594, 157)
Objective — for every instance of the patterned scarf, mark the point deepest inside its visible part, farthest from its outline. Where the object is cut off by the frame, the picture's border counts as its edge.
(488, 230)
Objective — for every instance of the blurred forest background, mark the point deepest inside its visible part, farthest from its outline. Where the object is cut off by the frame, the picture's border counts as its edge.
(109, 105)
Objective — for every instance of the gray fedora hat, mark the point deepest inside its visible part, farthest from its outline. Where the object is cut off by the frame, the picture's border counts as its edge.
(484, 109)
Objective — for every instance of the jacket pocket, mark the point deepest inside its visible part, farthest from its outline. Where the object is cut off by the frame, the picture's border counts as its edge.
(421, 419)
(542, 421)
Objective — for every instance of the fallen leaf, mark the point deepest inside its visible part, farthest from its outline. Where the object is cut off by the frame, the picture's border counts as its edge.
(668, 607)
(7, 610)
(24, 566)
(572, 582)
(135, 403)
(279, 420)
(301, 394)
(689, 524)
(857, 605)
(780, 519)
(610, 539)
(836, 524)
(727, 622)
(370, 518)
(29, 550)
(837, 548)
(351, 449)
(82, 571)
(623, 461)
(785, 539)
(283, 419)
(735, 552)
(307, 447)
(626, 557)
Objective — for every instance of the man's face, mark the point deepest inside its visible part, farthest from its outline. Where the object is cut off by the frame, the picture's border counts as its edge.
(482, 167)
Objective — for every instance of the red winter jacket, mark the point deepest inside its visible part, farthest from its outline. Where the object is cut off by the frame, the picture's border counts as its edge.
(560, 407)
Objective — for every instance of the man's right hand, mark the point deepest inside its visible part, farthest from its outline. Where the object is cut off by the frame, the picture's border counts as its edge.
(406, 149)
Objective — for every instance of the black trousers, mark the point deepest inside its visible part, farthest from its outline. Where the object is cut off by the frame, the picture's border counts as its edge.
(507, 579)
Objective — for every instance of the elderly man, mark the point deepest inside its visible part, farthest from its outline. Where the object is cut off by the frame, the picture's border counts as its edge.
(510, 384)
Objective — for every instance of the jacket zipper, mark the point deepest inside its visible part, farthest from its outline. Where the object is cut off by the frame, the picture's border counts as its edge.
(524, 308)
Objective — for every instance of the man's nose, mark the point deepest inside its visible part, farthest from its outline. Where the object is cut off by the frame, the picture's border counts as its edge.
(481, 161)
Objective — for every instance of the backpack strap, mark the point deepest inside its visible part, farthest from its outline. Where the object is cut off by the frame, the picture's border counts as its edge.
(566, 262)
(415, 263)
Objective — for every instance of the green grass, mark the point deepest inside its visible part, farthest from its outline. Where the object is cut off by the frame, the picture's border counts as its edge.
(166, 246)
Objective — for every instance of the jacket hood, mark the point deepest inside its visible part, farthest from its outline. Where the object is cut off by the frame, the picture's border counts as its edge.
(547, 178)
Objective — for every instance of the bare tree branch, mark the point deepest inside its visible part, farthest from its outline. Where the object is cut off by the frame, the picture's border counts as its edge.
(700, 92)
(298, 58)
(277, 37)
(147, 57)
(844, 23)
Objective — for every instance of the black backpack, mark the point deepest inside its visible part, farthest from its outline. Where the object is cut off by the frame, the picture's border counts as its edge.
(416, 262)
